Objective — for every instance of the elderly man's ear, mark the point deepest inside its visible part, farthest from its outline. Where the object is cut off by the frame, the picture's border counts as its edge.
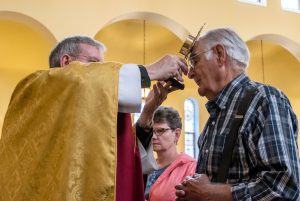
(221, 54)
(65, 60)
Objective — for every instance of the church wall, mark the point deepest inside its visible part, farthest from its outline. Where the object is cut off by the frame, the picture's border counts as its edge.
(25, 48)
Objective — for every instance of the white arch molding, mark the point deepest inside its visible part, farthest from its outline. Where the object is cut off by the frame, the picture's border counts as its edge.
(179, 30)
(290, 45)
(30, 22)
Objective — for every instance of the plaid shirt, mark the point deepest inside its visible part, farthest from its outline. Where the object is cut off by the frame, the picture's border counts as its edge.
(265, 163)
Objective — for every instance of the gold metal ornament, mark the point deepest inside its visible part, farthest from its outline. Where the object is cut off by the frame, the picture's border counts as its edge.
(189, 43)
(186, 51)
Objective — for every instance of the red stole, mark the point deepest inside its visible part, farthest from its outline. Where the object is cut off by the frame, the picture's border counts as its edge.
(129, 185)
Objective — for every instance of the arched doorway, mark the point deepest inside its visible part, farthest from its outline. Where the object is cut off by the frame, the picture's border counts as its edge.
(25, 46)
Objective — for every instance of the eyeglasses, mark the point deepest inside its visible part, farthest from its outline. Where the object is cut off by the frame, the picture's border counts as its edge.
(160, 131)
(191, 61)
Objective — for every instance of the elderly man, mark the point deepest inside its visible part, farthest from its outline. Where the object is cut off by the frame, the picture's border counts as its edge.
(67, 134)
(264, 161)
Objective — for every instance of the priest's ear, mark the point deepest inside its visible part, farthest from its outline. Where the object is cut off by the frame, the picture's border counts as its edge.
(65, 60)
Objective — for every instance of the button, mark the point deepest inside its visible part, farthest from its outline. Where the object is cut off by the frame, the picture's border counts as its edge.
(206, 151)
(213, 123)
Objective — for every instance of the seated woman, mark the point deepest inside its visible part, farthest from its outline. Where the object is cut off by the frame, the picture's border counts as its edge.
(163, 129)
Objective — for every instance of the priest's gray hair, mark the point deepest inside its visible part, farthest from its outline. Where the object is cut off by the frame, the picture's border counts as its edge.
(71, 46)
(235, 47)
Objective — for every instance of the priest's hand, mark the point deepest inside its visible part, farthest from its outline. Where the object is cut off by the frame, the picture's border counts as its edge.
(169, 66)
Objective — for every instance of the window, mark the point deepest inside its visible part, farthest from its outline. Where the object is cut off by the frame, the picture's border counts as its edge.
(256, 2)
(291, 5)
(191, 127)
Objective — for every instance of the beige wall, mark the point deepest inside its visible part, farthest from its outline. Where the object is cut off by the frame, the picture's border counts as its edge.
(30, 28)
(22, 51)
(67, 17)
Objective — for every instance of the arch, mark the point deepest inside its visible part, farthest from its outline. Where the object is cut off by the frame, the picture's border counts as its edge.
(146, 40)
(30, 22)
(25, 46)
(179, 30)
(292, 46)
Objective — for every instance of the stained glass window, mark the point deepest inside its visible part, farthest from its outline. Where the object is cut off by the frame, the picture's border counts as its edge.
(190, 127)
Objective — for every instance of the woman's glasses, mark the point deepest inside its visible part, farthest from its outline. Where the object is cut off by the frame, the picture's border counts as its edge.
(160, 131)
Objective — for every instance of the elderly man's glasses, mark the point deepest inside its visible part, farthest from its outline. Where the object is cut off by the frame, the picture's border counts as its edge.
(192, 60)
(160, 131)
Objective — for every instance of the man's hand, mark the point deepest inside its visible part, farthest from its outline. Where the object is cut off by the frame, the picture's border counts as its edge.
(154, 99)
(199, 188)
(167, 67)
(159, 94)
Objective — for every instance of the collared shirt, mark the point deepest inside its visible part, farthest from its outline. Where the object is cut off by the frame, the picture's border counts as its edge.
(265, 163)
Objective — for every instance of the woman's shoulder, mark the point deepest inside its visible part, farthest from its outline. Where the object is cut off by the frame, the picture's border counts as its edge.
(185, 158)
(184, 165)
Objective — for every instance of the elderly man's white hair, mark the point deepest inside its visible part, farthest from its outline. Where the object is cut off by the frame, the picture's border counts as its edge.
(235, 47)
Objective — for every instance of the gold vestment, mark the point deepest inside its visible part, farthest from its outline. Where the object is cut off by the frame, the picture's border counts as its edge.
(59, 135)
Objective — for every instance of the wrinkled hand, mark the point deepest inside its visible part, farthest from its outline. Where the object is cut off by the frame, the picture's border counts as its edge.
(159, 93)
(199, 188)
(193, 188)
(154, 99)
(167, 67)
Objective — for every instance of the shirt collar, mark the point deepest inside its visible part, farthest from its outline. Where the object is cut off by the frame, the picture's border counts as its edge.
(226, 94)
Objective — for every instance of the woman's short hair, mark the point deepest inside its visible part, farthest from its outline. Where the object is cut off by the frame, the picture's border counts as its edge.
(167, 115)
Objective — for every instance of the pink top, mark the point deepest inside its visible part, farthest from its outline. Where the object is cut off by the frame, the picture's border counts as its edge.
(164, 186)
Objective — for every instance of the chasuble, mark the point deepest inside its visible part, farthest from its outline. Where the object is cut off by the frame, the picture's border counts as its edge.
(59, 137)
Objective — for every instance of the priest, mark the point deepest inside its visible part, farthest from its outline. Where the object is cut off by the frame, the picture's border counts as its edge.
(67, 132)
